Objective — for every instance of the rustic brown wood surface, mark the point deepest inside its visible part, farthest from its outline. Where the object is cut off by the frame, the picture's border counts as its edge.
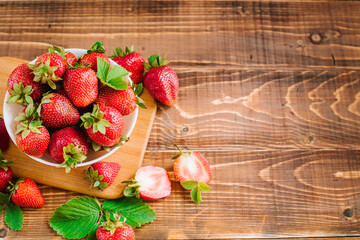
(269, 93)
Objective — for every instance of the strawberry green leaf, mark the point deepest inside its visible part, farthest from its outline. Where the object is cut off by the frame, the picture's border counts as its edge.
(196, 195)
(204, 186)
(117, 72)
(138, 89)
(117, 83)
(136, 212)
(13, 216)
(189, 184)
(102, 69)
(92, 233)
(76, 218)
(4, 198)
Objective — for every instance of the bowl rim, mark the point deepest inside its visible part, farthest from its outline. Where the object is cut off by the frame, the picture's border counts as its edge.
(84, 163)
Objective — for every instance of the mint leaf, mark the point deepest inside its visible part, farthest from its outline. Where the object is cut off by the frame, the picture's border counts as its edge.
(13, 216)
(189, 184)
(135, 211)
(117, 83)
(76, 218)
(111, 77)
(117, 71)
(102, 69)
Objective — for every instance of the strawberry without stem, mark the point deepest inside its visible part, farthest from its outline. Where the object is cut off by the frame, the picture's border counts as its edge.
(102, 174)
(20, 84)
(56, 111)
(25, 193)
(161, 80)
(131, 61)
(114, 230)
(150, 183)
(123, 100)
(68, 146)
(4, 135)
(81, 85)
(97, 50)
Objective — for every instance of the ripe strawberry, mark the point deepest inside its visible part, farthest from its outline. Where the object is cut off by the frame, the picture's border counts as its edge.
(131, 61)
(104, 125)
(56, 111)
(150, 183)
(81, 85)
(25, 193)
(69, 57)
(161, 80)
(32, 138)
(114, 230)
(20, 84)
(191, 166)
(68, 146)
(49, 68)
(102, 174)
(97, 50)
(123, 100)
(6, 172)
(4, 135)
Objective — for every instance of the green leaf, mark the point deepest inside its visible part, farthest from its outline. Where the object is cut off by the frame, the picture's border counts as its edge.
(13, 216)
(196, 194)
(4, 198)
(92, 233)
(117, 83)
(135, 211)
(102, 69)
(76, 218)
(189, 184)
(117, 72)
(204, 186)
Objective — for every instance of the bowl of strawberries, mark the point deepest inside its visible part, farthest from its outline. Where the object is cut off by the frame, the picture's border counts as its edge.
(71, 107)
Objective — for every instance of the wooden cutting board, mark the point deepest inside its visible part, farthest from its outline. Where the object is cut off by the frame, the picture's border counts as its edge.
(130, 155)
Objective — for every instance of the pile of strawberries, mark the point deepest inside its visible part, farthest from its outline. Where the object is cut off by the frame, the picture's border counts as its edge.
(73, 106)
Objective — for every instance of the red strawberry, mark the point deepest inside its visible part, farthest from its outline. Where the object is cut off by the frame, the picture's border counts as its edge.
(161, 80)
(25, 193)
(123, 100)
(69, 57)
(21, 84)
(49, 68)
(131, 61)
(191, 166)
(68, 146)
(102, 174)
(6, 172)
(81, 85)
(56, 111)
(104, 125)
(32, 138)
(114, 230)
(150, 183)
(4, 136)
(97, 50)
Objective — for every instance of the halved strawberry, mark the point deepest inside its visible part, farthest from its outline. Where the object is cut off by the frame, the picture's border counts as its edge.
(191, 166)
(150, 183)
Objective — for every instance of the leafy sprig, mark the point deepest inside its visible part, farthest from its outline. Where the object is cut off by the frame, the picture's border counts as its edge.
(196, 188)
(112, 77)
(80, 217)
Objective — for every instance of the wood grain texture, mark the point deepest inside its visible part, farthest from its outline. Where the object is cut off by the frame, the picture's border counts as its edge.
(269, 93)
(205, 34)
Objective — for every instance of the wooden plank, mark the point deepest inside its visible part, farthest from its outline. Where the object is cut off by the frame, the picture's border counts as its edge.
(205, 34)
(129, 155)
(255, 194)
(261, 110)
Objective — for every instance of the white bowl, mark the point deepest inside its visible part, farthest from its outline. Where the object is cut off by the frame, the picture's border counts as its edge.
(11, 111)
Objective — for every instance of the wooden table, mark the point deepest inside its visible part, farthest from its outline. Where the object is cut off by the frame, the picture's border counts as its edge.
(269, 93)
